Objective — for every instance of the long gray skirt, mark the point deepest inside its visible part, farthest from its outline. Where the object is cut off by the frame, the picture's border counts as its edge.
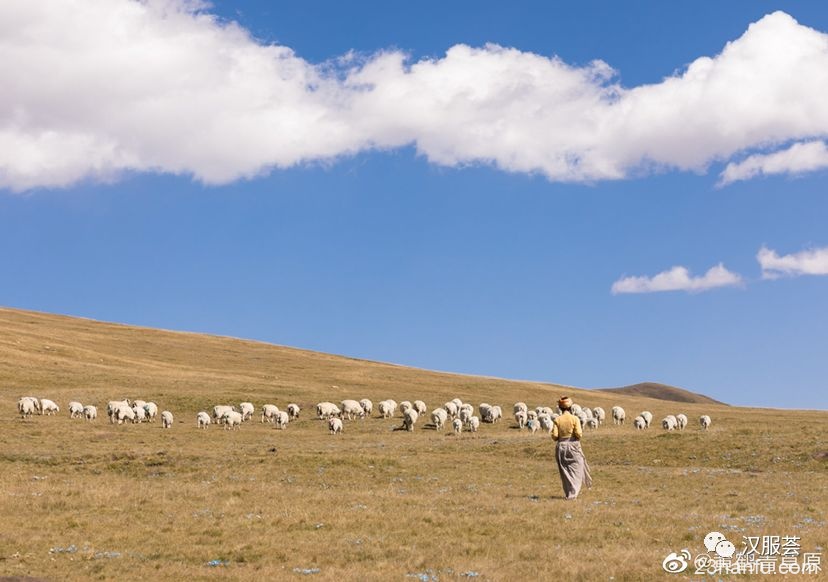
(573, 467)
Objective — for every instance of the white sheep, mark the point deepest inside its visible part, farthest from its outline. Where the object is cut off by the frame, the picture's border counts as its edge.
(668, 422)
(140, 413)
(90, 412)
(404, 406)
(457, 425)
(484, 410)
(151, 409)
(648, 418)
(351, 409)
(681, 421)
(335, 425)
(202, 420)
(387, 408)
(705, 421)
(639, 423)
(231, 420)
(325, 410)
(219, 410)
(451, 409)
(166, 419)
(269, 411)
(465, 414)
(588, 412)
(367, 406)
(545, 422)
(75, 409)
(520, 418)
(458, 403)
(139, 403)
(439, 416)
(282, 419)
(533, 424)
(599, 414)
(35, 403)
(591, 423)
(49, 407)
(543, 410)
(532, 415)
(497, 413)
(420, 407)
(474, 423)
(124, 412)
(576, 409)
(26, 406)
(112, 407)
(247, 409)
(293, 411)
(618, 415)
(520, 407)
(410, 417)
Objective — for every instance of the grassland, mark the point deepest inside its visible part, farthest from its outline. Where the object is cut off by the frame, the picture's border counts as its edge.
(86, 501)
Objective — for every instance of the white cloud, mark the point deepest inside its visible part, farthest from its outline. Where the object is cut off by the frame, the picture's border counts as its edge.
(797, 159)
(94, 88)
(807, 262)
(678, 279)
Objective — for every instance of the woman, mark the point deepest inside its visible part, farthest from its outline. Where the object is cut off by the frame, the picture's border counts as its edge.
(566, 430)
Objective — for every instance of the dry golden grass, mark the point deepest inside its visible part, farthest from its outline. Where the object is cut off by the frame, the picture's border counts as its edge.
(373, 503)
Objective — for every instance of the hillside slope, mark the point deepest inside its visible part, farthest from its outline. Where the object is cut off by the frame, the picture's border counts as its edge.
(75, 358)
(662, 392)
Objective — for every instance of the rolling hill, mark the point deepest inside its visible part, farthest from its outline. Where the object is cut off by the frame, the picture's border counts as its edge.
(662, 392)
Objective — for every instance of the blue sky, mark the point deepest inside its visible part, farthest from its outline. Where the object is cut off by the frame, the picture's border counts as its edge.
(395, 235)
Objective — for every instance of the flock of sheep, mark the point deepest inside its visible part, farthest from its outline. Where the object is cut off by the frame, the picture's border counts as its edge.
(461, 415)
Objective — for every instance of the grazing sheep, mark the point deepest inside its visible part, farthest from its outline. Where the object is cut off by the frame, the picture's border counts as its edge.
(599, 414)
(458, 403)
(588, 413)
(138, 403)
(533, 424)
(325, 410)
(669, 422)
(269, 411)
(618, 415)
(231, 420)
(545, 422)
(404, 406)
(439, 417)
(648, 418)
(247, 409)
(451, 409)
(35, 403)
(705, 421)
(576, 409)
(90, 412)
(520, 418)
(49, 407)
(497, 413)
(457, 425)
(123, 413)
(140, 413)
(75, 409)
(219, 410)
(591, 423)
(543, 410)
(335, 425)
(420, 407)
(484, 409)
(293, 411)
(112, 407)
(410, 417)
(681, 421)
(474, 423)
(532, 415)
(582, 417)
(166, 419)
(465, 414)
(351, 409)
(639, 423)
(386, 408)
(367, 406)
(26, 407)
(202, 420)
(151, 409)
(282, 419)
(520, 407)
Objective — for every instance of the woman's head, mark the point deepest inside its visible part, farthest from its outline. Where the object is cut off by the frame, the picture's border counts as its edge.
(565, 403)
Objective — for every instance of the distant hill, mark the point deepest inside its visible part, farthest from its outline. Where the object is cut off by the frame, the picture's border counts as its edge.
(662, 392)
